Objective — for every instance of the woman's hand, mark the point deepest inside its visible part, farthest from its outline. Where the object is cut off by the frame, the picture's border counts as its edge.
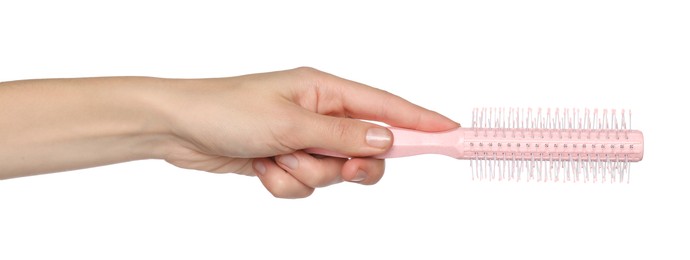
(258, 124)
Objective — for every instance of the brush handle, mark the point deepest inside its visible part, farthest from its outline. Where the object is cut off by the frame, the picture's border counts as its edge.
(408, 142)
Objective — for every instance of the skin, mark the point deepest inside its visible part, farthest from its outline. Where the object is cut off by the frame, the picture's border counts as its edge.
(254, 125)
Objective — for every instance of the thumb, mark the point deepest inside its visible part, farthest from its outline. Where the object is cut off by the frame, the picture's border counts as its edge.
(346, 136)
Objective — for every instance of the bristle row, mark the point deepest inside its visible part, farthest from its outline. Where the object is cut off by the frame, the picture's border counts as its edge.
(506, 167)
(551, 119)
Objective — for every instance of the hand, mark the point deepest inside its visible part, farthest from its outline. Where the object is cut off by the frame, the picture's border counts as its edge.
(258, 124)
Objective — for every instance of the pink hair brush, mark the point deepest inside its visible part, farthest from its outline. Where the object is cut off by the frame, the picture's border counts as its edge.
(521, 144)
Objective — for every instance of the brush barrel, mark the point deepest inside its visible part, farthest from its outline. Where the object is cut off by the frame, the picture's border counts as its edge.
(550, 144)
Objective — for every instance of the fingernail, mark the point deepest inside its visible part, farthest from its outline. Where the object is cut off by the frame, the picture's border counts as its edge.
(288, 160)
(361, 175)
(259, 167)
(378, 137)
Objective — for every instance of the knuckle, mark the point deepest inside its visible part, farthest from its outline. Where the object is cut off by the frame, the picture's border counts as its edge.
(305, 70)
(278, 188)
(322, 172)
(286, 190)
(308, 76)
(342, 129)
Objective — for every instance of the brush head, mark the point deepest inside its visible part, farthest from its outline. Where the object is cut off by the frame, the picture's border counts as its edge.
(551, 144)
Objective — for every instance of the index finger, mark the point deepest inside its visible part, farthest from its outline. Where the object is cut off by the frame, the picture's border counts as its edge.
(365, 102)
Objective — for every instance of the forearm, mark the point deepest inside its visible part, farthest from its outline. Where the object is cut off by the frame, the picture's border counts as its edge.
(64, 124)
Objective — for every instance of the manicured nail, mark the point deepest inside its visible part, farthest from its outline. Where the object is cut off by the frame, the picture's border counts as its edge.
(378, 137)
(288, 160)
(361, 175)
(259, 167)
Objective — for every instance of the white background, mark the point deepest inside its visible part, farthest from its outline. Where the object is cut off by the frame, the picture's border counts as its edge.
(448, 56)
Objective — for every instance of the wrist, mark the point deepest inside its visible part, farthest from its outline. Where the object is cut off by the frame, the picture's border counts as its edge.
(173, 111)
(145, 103)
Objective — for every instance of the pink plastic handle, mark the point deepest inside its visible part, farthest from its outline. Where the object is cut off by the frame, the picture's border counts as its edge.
(408, 142)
